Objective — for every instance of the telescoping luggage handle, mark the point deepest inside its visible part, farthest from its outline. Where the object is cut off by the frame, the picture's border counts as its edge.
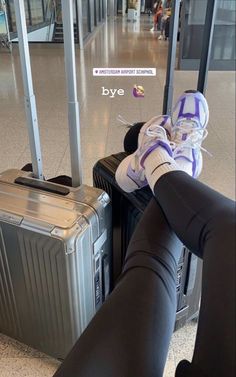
(73, 105)
(30, 103)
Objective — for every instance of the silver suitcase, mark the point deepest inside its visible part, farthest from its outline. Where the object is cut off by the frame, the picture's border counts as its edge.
(55, 241)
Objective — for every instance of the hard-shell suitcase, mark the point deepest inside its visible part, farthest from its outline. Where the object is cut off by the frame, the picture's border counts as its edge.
(127, 210)
(54, 261)
(54, 240)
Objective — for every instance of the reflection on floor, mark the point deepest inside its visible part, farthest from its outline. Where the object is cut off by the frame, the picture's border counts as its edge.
(117, 44)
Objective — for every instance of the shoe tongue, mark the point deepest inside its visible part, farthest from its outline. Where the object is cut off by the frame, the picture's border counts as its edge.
(187, 129)
(180, 136)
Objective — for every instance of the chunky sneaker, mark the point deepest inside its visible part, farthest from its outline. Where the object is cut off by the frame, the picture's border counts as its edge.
(131, 137)
(189, 120)
(130, 174)
(191, 105)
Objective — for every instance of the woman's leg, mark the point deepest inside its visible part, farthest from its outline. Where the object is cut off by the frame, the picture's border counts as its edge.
(130, 334)
(203, 219)
(162, 27)
(205, 222)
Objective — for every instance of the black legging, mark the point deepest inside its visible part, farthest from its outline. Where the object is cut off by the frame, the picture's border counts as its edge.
(130, 334)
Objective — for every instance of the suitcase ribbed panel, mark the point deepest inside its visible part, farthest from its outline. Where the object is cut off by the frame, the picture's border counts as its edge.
(34, 267)
(54, 293)
(45, 278)
(9, 318)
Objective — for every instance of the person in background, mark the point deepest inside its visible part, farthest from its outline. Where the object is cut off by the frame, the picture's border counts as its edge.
(157, 10)
(166, 13)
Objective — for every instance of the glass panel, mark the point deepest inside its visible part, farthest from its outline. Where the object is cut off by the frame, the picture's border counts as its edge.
(74, 11)
(97, 11)
(27, 13)
(40, 17)
(49, 10)
(13, 17)
(223, 47)
(226, 12)
(85, 13)
(3, 28)
(224, 32)
(36, 11)
(196, 11)
(58, 11)
(91, 15)
(103, 9)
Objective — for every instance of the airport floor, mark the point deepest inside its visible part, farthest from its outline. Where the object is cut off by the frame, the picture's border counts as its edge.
(115, 44)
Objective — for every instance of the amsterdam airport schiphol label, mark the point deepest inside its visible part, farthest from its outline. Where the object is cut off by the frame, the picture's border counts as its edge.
(124, 72)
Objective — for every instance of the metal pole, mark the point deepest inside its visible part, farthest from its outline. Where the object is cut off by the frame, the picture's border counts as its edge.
(206, 45)
(123, 7)
(105, 9)
(30, 104)
(174, 25)
(73, 105)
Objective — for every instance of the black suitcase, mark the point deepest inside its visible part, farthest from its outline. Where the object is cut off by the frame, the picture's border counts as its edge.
(127, 209)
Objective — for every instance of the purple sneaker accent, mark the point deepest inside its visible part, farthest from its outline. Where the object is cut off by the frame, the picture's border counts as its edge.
(152, 148)
(165, 119)
(179, 152)
(163, 123)
(189, 121)
(183, 157)
(194, 163)
(189, 115)
(135, 177)
(197, 110)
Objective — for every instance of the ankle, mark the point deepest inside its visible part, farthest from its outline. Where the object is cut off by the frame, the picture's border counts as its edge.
(158, 163)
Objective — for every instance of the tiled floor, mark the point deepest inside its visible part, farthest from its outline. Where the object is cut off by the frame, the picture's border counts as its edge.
(116, 44)
(18, 360)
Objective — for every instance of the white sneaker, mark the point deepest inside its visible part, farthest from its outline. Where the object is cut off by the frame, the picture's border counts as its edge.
(189, 121)
(130, 174)
(160, 38)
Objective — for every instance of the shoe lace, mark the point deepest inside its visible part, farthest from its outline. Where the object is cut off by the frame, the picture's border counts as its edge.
(196, 135)
(155, 131)
(124, 121)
